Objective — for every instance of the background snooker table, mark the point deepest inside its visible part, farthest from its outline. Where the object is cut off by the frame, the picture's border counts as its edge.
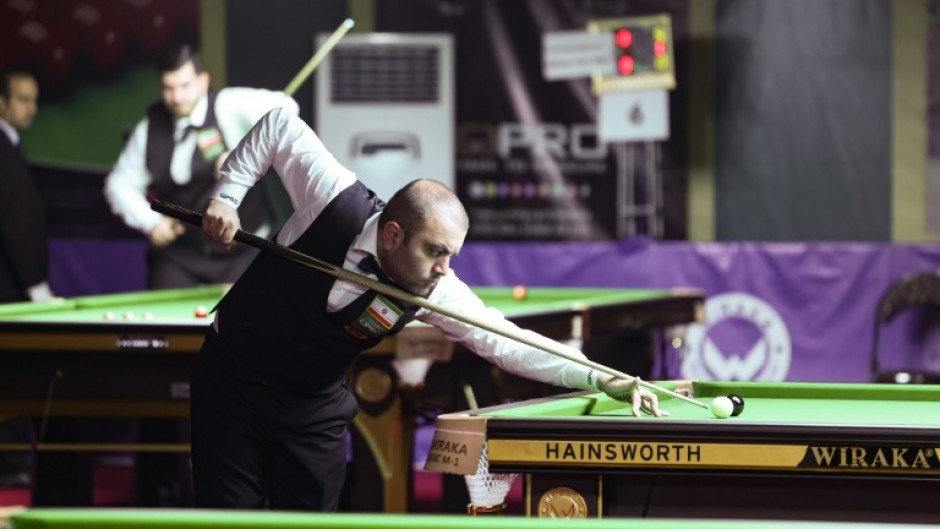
(852, 452)
(66, 360)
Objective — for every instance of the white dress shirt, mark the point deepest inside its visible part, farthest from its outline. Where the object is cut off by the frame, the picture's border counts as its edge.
(312, 178)
(237, 109)
(10, 131)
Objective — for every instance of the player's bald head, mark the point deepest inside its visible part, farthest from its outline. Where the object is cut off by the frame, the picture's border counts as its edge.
(420, 200)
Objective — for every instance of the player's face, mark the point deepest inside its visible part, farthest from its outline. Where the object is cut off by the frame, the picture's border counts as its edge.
(182, 88)
(20, 109)
(418, 260)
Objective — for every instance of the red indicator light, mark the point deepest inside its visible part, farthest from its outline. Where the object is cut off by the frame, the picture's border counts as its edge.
(625, 65)
(623, 38)
(659, 48)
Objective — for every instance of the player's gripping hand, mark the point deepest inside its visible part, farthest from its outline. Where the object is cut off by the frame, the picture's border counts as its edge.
(220, 222)
(630, 390)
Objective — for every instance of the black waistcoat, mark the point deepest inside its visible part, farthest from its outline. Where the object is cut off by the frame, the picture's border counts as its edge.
(210, 144)
(274, 324)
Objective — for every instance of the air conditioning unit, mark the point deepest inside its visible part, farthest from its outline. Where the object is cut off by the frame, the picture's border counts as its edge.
(385, 107)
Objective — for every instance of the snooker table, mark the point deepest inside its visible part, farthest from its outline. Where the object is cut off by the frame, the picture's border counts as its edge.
(208, 519)
(813, 451)
(129, 355)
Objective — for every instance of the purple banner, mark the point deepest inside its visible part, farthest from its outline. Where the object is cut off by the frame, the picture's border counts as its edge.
(84, 267)
(775, 311)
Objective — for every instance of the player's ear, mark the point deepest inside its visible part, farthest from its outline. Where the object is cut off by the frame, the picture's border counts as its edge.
(392, 235)
(204, 81)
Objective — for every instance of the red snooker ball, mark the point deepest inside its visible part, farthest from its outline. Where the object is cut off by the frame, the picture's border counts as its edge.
(201, 312)
(519, 292)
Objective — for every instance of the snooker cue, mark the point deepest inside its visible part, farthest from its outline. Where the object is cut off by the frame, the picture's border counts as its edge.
(536, 340)
(318, 57)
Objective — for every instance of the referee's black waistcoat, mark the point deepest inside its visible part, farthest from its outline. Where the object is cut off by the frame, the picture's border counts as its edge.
(210, 144)
(274, 326)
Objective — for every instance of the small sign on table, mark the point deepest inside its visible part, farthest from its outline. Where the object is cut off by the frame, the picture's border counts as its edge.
(457, 444)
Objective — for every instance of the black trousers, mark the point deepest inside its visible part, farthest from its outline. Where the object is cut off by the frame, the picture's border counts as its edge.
(253, 447)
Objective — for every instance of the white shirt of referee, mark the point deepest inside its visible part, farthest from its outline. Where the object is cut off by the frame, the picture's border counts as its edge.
(237, 109)
(312, 177)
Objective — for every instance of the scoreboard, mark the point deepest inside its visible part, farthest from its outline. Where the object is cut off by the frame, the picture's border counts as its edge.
(643, 50)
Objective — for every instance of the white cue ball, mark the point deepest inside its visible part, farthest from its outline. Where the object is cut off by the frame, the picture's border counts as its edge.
(722, 407)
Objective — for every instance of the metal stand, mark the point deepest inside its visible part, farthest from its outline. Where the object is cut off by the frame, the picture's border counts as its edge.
(639, 201)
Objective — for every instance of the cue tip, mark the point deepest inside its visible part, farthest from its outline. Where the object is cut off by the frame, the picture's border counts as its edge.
(349, 23)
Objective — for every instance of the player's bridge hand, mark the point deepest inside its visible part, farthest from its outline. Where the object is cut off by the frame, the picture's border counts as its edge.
(220, 222)
(630, 390)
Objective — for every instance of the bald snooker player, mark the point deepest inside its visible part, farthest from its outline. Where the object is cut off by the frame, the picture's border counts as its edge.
(270, 407)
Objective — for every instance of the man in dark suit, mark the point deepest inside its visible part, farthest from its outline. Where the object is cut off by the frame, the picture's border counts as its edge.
(24, 251)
